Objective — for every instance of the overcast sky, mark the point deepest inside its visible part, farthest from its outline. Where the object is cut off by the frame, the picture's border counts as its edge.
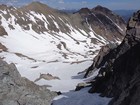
(77, 4)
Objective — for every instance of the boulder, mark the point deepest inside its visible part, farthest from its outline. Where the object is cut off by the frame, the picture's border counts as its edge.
(17, 90)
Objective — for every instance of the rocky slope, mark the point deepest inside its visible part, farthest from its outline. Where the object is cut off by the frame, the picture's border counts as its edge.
(119, 74)
(17, 90)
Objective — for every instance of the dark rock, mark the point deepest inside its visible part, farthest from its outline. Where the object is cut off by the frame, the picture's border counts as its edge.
(59, 93)
(119, 75)
(100, 58)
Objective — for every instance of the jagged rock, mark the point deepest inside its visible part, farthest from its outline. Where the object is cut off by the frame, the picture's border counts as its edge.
(121, 69)
(16, 90)
(99, 58)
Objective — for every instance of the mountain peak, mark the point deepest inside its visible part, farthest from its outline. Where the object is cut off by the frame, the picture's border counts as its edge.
(99, 6)
(37, 6)
(84, 11)
(101, 9)
(36, 3)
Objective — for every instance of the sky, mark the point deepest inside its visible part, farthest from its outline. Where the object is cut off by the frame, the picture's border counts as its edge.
(77, 4)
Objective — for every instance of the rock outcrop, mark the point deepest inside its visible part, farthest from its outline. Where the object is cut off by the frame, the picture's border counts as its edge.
(99, 58)
(46, 77)
(17, 90)
(119, 75)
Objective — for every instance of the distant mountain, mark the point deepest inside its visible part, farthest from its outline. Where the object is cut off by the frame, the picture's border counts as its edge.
(126, 14)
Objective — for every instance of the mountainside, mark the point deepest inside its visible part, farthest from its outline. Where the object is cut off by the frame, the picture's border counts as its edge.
(37, 38)
(119, 68)
(104, 22)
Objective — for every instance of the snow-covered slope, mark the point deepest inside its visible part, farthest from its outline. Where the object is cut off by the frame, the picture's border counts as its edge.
(39, 39)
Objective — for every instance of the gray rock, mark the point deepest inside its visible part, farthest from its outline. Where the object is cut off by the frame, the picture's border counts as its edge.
(17, 90)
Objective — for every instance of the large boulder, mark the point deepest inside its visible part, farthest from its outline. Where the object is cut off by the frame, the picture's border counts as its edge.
(17, 90)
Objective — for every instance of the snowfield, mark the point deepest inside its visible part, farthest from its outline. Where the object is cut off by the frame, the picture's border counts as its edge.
(34, 53)
(60, 54)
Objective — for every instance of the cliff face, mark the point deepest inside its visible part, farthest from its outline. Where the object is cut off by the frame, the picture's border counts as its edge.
(119, 75)
(16, 90)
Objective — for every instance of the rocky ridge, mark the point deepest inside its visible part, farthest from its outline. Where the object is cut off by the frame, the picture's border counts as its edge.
(17, 90)
(119, 72)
